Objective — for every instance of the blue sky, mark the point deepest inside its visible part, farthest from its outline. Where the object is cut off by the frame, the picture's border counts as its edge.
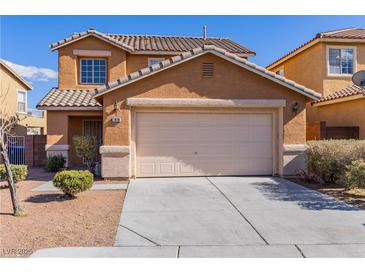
(25, 39)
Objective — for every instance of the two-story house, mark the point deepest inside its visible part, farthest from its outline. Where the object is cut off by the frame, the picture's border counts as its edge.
(326, 64)
(174, 106)
(13, 101)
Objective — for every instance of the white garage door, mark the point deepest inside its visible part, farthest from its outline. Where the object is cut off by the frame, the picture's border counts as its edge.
(200, 144)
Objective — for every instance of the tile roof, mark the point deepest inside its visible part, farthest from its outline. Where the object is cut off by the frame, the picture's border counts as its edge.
(197, 52)
(350, 33)
(345, 92)
(157, 44)
(68, 98)
(12, 71)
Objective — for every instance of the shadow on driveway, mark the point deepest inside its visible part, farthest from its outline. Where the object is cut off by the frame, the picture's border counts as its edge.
(305, 198)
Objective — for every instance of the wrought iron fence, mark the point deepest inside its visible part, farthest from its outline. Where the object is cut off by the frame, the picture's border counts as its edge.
(16, 149)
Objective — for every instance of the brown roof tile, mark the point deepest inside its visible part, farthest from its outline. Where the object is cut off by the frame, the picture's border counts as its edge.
(157, 43)
(68, 98)
(345, 92)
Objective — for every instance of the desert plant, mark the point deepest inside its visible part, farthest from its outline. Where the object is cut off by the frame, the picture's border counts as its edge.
(55, 163)
(72, 182)
(327, 159)
(20, 172)
(85, 147)
(354, 176)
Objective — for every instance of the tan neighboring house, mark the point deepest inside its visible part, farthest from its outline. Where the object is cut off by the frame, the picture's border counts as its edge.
(174, 106)
(326, 64)
(13, 94)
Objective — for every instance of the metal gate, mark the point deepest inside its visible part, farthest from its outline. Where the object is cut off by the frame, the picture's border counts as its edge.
(16, 149)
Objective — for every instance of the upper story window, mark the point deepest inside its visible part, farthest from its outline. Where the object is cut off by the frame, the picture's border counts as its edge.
(93, 71)
(280, 71)
(153, 61)
(341, 61)
(21, 100)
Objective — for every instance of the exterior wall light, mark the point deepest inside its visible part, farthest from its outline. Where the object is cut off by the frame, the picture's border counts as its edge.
(295, 107)
(115, 105)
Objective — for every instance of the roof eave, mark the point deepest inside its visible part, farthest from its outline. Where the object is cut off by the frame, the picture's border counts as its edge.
(221, 53)
(57, 45)
(13, 72)
(68, 108)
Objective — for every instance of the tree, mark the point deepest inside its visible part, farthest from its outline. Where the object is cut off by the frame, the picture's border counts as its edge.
(85, 147)
(8, 122)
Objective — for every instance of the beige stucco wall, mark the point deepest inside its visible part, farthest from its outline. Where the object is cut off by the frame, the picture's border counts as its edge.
(9, 85)
(139, 61)
(69, 64)
(309, 67)
(349, 113)
(59, 128)
(185, 81)
(306, 68)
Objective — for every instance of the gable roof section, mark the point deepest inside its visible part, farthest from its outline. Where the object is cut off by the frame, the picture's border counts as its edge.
(342, 34)
(90, 32)
(69, 99)
(155, 44)
(346, 92)
(16, 75)
(176, 60)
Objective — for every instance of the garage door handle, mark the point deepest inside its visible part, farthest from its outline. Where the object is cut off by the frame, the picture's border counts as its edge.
(196, 153)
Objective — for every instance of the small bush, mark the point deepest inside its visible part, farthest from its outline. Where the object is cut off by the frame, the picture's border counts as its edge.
(327, 159)
(20, 173)
(355, 174)
(55, 163)
(72, 182)
(85, 147)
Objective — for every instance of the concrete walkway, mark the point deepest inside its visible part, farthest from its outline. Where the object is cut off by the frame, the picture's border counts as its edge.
(230, 217)
(48, 187)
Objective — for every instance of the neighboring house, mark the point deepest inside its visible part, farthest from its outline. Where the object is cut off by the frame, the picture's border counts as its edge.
(13, 94)
(326, 64)
(174, 106)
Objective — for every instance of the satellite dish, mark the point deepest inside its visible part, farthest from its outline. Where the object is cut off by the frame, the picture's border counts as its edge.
(359, 78)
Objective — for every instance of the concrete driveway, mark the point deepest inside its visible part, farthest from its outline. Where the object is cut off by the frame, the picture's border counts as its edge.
(238, 217)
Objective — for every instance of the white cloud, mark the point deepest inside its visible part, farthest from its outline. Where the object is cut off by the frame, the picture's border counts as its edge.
(33, 73)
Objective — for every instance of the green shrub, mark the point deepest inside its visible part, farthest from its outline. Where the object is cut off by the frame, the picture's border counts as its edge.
(327, 159)
(72, 182)
(55, 163)
(20, 173)
(355, 174)
(85, 147)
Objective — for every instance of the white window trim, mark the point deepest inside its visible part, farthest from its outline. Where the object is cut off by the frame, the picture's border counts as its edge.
(328, 60)
(106, 71)
(25, 98)
(157, 59)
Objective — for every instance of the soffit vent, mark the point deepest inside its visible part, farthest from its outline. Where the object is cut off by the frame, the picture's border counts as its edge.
(208, 69)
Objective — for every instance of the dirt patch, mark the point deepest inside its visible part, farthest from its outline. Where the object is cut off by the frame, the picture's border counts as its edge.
(52, 221)
(355, 197)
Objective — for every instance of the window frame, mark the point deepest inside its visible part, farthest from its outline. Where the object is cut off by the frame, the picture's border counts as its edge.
(354, 61)
(159, 59)
(25, 101)
(279, 69)
(93, 58)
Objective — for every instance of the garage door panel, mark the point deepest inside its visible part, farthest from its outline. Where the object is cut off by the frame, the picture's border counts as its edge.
(199, 144)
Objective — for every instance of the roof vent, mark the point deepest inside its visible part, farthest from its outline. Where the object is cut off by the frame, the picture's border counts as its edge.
(208, 69)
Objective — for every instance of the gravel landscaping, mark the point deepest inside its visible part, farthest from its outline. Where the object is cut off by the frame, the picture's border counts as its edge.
(90, 220)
